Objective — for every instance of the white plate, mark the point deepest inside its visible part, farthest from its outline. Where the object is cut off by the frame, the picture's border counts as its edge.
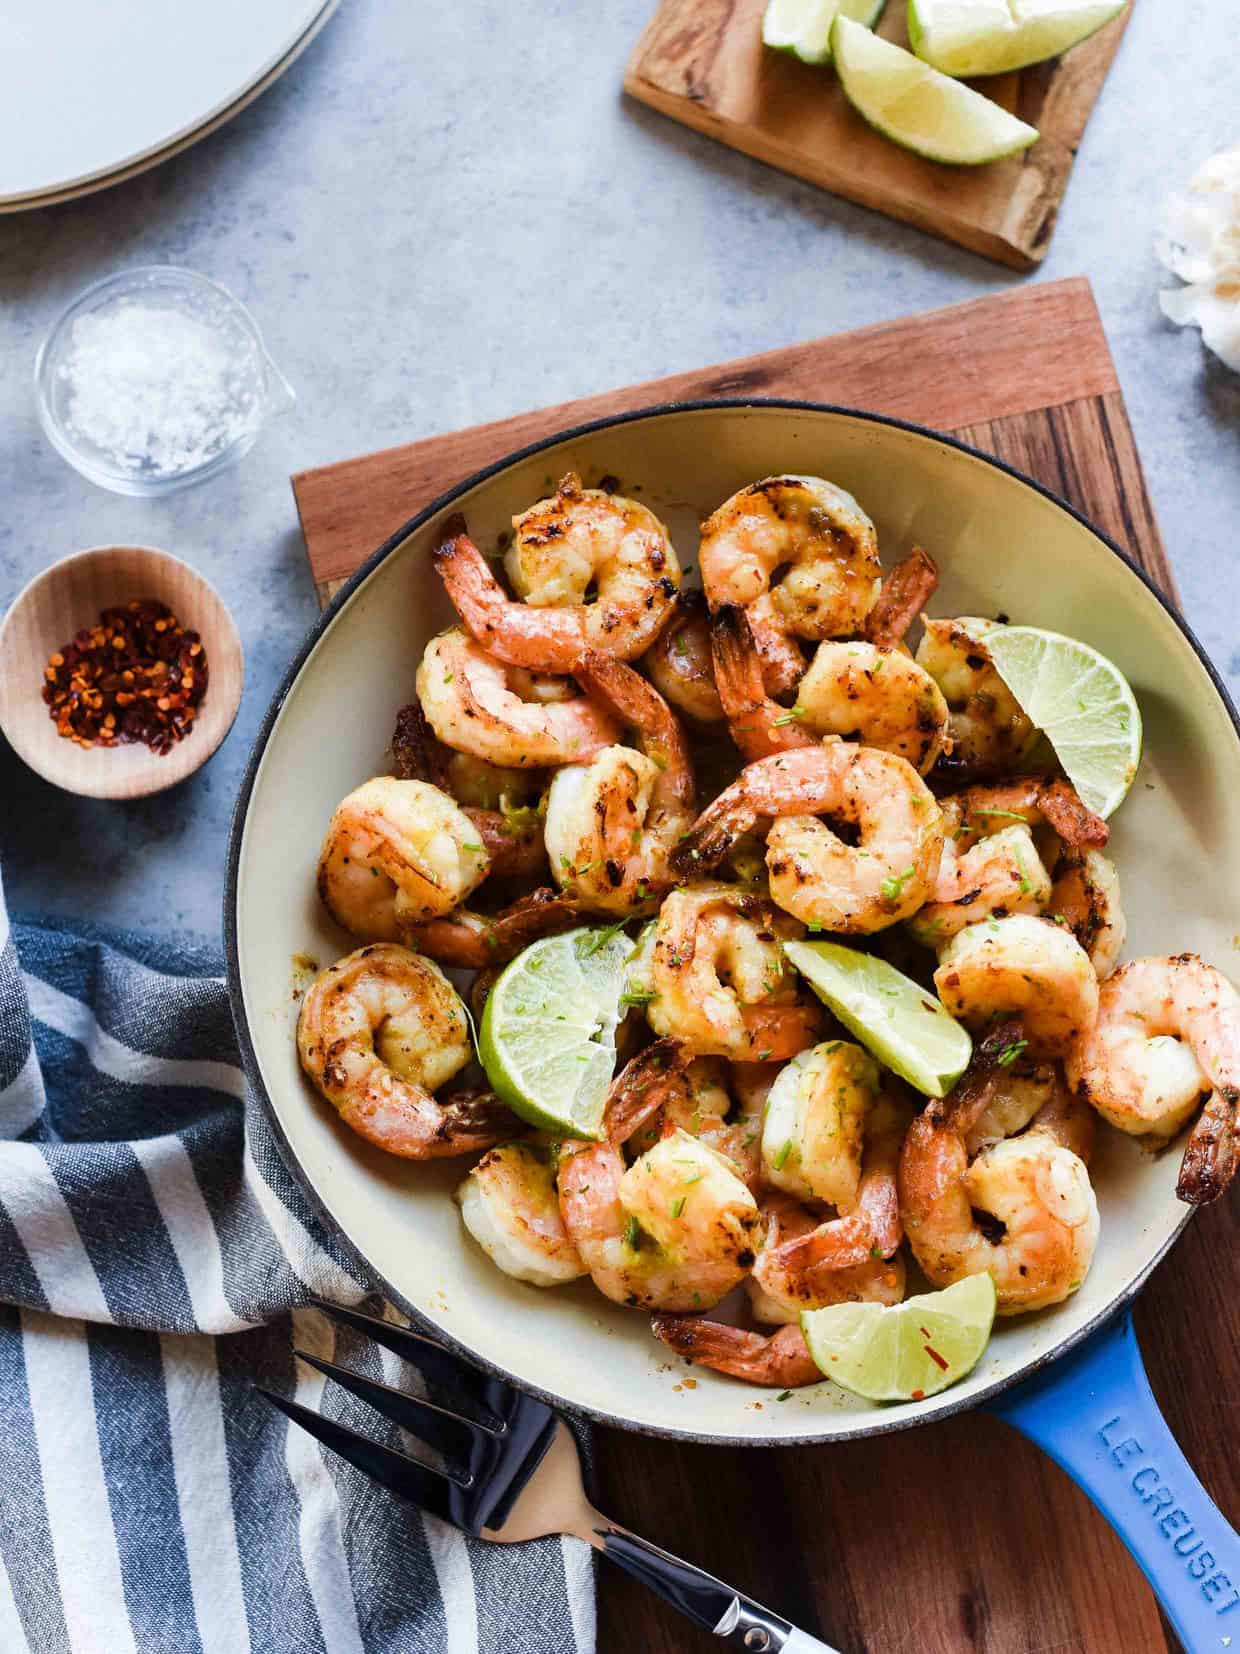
(95, 92)
(1001, 544)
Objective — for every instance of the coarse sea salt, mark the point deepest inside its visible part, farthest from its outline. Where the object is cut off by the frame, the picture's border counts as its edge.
(157, 392)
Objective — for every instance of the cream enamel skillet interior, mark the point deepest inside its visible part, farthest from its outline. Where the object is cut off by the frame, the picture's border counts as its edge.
(1002, 545)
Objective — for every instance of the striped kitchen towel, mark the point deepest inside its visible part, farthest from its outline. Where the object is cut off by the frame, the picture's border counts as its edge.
(153, 1256)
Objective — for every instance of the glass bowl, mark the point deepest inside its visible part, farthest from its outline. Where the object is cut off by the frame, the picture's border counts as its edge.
(148, 408)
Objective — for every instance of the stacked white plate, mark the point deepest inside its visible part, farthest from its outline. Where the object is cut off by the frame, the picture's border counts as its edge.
(98, 90)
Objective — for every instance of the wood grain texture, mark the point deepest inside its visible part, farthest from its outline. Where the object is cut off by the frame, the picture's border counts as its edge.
(702, 62)
(959, 1537)
(960, 368)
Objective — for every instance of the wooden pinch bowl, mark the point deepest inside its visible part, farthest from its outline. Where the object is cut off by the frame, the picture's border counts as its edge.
(69, 596)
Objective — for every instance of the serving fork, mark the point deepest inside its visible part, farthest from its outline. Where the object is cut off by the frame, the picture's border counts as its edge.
(509, 1472)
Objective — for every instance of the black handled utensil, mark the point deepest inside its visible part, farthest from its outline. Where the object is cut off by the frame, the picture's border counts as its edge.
(510, 1472)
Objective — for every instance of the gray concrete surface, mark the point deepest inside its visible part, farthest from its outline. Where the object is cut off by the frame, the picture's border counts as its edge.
(447, 213)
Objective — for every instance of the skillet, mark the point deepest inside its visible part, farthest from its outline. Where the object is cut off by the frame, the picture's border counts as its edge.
(1070, 1377)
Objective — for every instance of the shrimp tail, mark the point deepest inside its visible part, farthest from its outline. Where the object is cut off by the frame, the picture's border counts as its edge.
(471, 941)
(516, 852)
(1064, 809)
(540, 639)
(759, 725)
(472, 1120)
(778, 1359)
(640, 705)
(409, 1122)
(904, 593)
(417, 752)
(713, 834)
(783, 664)
(1213, 1153)
(643, 1085)
(969, 1098)
(841, 1243)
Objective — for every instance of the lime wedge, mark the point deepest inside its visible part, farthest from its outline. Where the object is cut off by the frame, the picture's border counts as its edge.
(917, 107)
(1081, 702)
(902, 1024)
(548, 1036)
(803, 27)
(903, 1352)
(992, 37)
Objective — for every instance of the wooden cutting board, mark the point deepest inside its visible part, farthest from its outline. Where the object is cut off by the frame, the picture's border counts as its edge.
(703, 63)
(959, 1536)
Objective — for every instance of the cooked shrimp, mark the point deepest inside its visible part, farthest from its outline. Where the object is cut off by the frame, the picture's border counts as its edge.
(499, 801)
(1022, 1088)
(613, 823)
(674, 1231)
(778, 1292)
(989, 733)
(778, 1360)
(474, 704)
(758, 724)
(1039, 1224)
(510, 1206)
(906, 589)
(991, 865)
(1030, 800)
(814, 874)
(397, 851)
(855, 690)
(721, 1105)
(867, 1227)
(1020, 966)
(813, 531)
(1085, 896)
(880, 697)
(379, 1032)
(472, 941)
(711, 972)
(777, 1296)
(782, 658)
(594, 571)
(679, 662)
(1000, 875)
(814, 1126)
(1167, 1033)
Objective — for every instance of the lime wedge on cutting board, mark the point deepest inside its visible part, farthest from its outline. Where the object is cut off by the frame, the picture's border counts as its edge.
(903, 1352)
(900, 1022)
(917, 107)
(548, 1035)
(1081, 702)
(803, 27)
(993, 37)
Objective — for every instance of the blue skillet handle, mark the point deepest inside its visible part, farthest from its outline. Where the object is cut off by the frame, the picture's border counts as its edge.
(1093, 1411)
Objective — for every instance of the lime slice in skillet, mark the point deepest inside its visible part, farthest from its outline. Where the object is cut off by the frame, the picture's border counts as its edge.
(548, 1035)
(1081, 702)
(902, 1024)
(803, 27)
(917, 107)
(903, 1352)
(993, 37)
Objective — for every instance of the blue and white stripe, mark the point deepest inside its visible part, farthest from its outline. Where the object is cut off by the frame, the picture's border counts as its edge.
(155, 1258)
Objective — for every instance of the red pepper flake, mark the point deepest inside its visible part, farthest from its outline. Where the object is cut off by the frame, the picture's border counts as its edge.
(935, 1357)
(918, 1395)
(136, 675)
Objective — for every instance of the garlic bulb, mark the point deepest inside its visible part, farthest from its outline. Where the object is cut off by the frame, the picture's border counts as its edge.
(1199, 241)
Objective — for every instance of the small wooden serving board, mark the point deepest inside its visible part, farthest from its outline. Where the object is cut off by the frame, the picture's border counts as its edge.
(959, 1537)
(1026, 375)
(703, 63)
